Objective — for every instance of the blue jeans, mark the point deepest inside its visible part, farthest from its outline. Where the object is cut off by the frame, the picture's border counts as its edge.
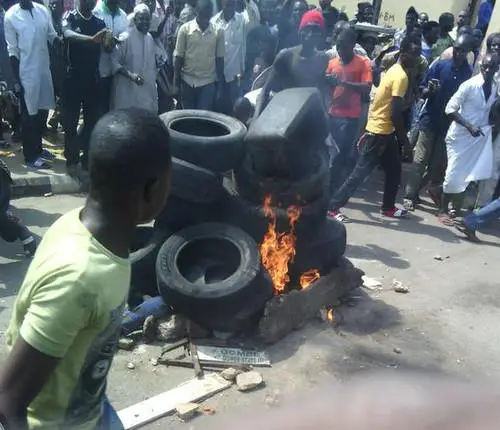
(483, 216)
(198, 97)
(344, 130)
(374, 149)
(109, 419)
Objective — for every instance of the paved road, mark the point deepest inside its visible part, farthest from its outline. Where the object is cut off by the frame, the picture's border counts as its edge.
(448, 323)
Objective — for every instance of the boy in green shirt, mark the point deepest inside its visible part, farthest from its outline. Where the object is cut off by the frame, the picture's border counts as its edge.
(66, 320)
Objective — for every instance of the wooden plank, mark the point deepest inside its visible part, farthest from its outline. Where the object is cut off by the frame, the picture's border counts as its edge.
(165, 403)
(198, 371)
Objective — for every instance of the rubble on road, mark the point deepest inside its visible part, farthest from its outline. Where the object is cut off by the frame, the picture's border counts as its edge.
(230, 373)
(249, 380)
(399, 287)
(126, 343)
(186, 411)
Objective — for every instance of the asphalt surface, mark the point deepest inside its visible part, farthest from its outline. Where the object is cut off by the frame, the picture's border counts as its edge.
(447, 324)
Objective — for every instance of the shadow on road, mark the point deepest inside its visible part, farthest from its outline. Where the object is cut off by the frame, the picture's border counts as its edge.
(376, 252)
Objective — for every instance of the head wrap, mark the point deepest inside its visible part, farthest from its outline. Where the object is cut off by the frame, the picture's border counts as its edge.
(141, 7)
(312, 17)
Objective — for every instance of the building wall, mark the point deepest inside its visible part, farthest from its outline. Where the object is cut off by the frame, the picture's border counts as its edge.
(392, 12)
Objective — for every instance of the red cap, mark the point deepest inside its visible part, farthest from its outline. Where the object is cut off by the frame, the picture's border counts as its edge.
(314, 17)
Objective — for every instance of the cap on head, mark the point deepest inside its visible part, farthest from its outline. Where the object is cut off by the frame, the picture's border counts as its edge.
(312, 17)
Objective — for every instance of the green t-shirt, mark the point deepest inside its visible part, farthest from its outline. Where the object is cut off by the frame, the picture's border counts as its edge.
(70, 307)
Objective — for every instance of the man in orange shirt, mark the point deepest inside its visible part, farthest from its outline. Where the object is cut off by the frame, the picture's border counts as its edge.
(379, 145)
(351, 77)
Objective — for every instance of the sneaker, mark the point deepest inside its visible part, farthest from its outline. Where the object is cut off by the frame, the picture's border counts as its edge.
(4, 144)
(469, 234)
(29, 246)
(39, 163)
(409, 205)
(394, 212)
(48, 155)
(338, 216)
(445, 219)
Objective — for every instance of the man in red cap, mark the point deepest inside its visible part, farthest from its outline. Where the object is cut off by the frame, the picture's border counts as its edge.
(301, 66)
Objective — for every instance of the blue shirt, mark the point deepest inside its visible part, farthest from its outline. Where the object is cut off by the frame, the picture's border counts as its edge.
(433, 115)
(484, 16)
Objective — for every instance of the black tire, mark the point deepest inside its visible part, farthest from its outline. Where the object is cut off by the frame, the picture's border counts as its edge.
(195, 184)
(207, 139)
(146, 244)
(179, 213)
(311, 185)
(292, 125)
(319, 247)
(250, 216)
(210, 272)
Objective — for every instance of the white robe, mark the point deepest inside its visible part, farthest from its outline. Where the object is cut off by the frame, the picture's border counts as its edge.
(138, 53)
(469, 158)
(27, 33)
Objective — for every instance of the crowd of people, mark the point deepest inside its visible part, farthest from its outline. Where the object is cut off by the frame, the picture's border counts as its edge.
(427, 95)
(387, 98)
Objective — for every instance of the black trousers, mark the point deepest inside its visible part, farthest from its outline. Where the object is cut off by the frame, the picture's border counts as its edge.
(10, 228)
(374, 149)
(81, 92)
(32, 128)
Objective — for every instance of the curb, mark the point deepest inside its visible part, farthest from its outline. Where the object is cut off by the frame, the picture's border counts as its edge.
(42, 185)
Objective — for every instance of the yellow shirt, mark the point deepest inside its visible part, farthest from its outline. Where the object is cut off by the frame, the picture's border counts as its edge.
(393, 84)
(70, 307)
(199, 51)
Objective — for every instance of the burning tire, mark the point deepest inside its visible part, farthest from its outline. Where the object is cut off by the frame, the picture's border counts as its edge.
(319, 247)
(251, 217)
(195, 184)
(144, 250)
(212, 274)
(207, 139)
(292, 126)
(285, 191)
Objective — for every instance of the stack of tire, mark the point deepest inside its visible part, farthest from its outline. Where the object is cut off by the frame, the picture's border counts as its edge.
(209, 271)
(202, 252)
(286, 158)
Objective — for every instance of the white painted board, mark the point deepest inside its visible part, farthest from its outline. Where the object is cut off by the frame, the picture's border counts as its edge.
(158, 406)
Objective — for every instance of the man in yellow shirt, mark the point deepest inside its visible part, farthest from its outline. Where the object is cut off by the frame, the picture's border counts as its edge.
(66, 321)
(379, 145)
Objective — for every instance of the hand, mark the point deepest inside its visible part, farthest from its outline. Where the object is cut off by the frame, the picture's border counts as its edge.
(332, 79)
(99, 36)
(138, 79)
(475, 131)
(432, 86)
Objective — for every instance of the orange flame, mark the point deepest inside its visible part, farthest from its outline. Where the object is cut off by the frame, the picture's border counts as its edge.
(307, 278)
(278, 249)
(329, 315)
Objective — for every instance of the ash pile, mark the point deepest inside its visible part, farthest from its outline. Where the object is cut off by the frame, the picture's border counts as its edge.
(243, 245)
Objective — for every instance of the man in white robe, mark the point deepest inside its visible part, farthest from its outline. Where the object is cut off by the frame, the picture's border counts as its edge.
(468, 141)
(135, 62)
(28, 28)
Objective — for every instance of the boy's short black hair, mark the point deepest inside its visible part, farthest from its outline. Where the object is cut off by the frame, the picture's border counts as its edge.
(444, 17)
(128, 148)
(429, 26)
(408, 41)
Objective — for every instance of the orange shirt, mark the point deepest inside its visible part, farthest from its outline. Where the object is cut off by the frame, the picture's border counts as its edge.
(346, 103)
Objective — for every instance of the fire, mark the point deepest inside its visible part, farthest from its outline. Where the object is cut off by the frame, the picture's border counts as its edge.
(329, 315)
(307, 278)
(277, 249)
